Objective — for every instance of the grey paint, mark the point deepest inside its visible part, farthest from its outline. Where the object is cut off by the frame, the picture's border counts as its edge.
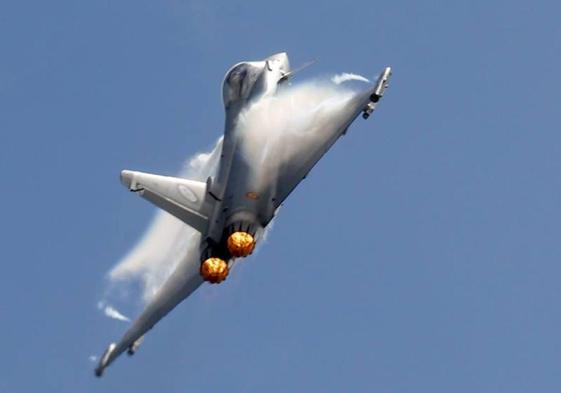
(248, 188)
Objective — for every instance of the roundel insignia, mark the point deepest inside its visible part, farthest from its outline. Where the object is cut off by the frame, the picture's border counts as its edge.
(187, 193)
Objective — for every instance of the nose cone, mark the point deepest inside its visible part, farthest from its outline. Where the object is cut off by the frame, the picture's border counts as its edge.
(281, 59)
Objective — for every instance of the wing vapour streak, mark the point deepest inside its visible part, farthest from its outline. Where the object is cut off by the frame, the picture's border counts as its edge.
(302, 123)
(181, 283)
(277, 140)
(167, 240)
(166, 260)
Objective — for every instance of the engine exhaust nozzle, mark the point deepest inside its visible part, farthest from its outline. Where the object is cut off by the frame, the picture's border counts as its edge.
(240, 244)
(214, 270)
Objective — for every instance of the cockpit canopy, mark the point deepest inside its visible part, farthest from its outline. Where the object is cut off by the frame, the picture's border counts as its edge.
(239, 81)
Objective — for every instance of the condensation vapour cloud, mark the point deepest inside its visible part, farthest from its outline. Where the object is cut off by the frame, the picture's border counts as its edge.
(348, 76)
(168, 241)
(112, 312)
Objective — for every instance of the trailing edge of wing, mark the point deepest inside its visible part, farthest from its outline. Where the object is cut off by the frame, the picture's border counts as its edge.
(183, 198)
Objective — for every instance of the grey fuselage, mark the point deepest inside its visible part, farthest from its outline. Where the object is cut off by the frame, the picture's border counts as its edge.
(261, 163)
(244, 199)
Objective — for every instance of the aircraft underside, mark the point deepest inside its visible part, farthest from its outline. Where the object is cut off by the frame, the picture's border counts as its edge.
(257, 172)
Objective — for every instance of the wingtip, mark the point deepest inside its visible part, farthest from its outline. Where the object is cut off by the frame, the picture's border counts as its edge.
(104, 361)
(127, 178)
(98, 372)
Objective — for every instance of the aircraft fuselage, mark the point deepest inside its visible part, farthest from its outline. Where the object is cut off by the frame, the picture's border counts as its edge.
(243, 192)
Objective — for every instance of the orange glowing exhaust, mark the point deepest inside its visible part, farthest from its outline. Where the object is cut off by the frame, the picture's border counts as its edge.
(214, 270)
(240, 244)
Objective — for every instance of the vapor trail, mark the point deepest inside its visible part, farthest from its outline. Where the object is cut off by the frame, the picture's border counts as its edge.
(297, 109)
(167, 240)
(112, 312)
(347, 76)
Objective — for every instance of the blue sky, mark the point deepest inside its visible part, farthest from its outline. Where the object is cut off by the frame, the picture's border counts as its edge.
(421, 254)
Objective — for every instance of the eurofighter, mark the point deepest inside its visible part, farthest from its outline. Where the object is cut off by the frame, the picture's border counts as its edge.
(231, 209)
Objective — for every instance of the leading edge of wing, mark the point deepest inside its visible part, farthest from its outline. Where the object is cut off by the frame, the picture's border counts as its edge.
(183, 281)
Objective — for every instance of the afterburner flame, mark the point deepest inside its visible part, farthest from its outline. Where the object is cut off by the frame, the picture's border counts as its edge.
(214, 270)
(240, 244)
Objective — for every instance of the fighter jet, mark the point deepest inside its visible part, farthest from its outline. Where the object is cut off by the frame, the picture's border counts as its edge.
(231, 209)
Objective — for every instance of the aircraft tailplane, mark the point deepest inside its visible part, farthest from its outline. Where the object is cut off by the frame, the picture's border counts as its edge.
(183, 198)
